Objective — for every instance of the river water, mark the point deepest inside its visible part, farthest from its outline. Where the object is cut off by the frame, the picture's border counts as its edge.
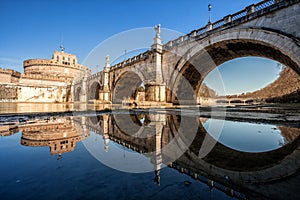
(146, 154)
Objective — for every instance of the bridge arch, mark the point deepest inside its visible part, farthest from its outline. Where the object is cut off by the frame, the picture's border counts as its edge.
(204, 55)
(132, 125)
(93, 90)
(126, 85)
(77, 94)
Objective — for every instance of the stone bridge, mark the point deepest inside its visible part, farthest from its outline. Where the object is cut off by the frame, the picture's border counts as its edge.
(173, 72)
(237, 100)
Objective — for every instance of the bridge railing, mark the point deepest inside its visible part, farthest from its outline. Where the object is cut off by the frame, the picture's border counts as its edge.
(202, 177)
(97, 74)
(237, 15)
(132, 60)
(265, 4)
(233, 19)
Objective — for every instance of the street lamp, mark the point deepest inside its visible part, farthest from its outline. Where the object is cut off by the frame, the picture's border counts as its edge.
(125, 51)
(209, 13)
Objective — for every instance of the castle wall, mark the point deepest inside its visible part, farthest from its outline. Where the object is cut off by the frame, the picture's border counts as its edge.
(43, 81)
(61, 65)
(44, 88)
(8, 92)
(8, 87)
(9, 76)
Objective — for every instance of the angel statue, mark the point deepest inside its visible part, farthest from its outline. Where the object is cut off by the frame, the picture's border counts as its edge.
(157, 30)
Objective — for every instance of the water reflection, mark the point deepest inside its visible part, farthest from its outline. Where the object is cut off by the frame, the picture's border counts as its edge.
(151, 141)
(251, 137)
(13, 107)
(8, 107)
(59, 134)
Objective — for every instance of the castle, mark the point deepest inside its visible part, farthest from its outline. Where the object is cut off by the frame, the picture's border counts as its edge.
(43, 80)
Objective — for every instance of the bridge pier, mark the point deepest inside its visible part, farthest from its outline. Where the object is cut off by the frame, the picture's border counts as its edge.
(105, 94)
(155, 92)
(160, 122)
(83, 98)
(83, 92)
(105, 127)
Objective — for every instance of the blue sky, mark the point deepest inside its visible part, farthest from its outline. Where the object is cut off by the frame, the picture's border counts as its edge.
(246, 74)
(34, 29)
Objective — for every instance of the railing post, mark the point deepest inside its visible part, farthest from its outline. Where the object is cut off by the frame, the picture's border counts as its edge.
(194, 34)
(250, 9)
(209, 26)
(181, 39)
(227, 19)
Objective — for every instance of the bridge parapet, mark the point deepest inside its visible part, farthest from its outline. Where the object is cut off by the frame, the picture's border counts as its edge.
(132, 60)
(249, 13)
(93, 76)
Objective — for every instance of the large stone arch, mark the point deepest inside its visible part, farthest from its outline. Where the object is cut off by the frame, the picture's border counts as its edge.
(203, 55)
(93, 90)
(126, 85)
(137, 69)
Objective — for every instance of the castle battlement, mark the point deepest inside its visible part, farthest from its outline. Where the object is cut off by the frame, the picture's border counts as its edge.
(33, 62)
(10, 72)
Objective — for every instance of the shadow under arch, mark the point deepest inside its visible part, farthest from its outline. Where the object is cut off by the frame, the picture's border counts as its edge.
(94, 120)
(126, 86)
(93, 91)
(211, 51)
(134, 125)
(77, 94)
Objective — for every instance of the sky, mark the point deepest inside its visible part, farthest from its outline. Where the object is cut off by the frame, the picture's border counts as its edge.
(34, 29)
(241, 75)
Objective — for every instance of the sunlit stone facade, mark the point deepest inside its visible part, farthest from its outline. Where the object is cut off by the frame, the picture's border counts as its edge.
(43, 80)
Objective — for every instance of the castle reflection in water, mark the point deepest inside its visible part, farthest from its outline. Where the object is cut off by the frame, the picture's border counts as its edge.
(60, 134)
(169, 140)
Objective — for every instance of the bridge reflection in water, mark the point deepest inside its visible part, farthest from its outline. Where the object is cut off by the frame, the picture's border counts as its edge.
(164, 139)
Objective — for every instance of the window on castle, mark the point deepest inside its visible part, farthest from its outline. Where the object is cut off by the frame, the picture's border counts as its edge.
(63, 58)
(57, 58)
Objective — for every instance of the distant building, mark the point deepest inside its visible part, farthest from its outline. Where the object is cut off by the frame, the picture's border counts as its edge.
(43, 80)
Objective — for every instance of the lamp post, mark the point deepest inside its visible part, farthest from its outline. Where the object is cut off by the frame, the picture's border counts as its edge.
(209, 13)
(125, 51)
